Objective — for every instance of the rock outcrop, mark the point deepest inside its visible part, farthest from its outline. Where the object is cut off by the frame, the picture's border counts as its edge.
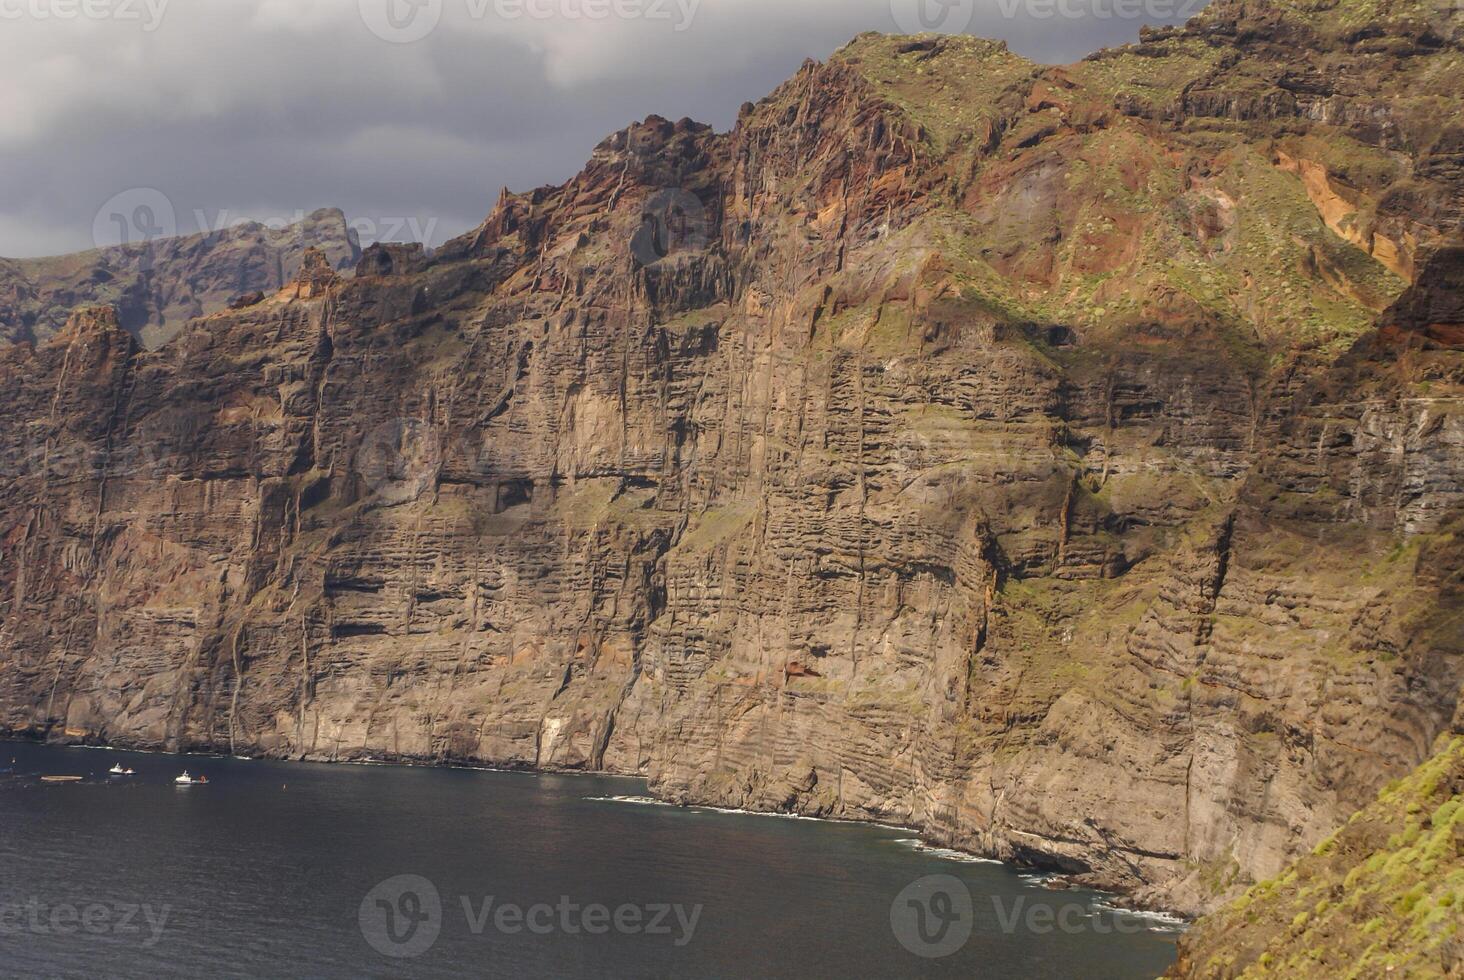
(1042, 457)
(159, 285)
(1379, 898)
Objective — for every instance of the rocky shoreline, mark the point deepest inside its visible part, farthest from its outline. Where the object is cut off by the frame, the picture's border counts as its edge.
(1039, 456)
(1048, 878)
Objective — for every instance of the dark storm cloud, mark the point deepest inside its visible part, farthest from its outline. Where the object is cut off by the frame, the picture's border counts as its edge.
(268, 108)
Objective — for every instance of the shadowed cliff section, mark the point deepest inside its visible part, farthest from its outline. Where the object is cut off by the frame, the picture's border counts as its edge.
(999, 449)
(157, 286)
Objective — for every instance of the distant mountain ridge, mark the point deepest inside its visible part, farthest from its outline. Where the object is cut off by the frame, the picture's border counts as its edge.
(1066, 461)
(158, 286)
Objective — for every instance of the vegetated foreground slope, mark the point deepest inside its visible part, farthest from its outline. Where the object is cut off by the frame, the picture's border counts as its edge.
(1381, 897)
(1067, 461)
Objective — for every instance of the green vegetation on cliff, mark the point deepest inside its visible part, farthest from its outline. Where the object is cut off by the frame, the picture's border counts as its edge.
(1384, 896)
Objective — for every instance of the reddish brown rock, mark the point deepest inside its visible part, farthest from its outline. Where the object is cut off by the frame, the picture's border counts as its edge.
(932, 448)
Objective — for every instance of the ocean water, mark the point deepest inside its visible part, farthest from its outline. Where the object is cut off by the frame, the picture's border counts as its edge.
(293, 870)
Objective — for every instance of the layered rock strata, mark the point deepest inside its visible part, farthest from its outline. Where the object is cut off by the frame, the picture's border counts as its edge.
(1042, 457)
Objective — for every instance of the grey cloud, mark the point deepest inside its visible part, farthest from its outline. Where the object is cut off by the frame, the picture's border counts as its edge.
(263, 108)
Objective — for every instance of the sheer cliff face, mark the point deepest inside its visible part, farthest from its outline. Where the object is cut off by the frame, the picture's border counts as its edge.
(1378, 898)
(999, 449)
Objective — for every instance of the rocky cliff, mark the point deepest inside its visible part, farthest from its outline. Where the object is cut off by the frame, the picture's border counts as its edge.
(1381, 897)
(158, 286)
(1068, 461)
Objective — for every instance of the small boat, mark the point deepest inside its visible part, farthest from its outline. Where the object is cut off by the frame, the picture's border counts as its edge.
(187, 780)
(117, 770)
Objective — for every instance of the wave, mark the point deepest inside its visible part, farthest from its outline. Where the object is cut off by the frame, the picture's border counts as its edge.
(735, 812)
(944, 853)
(1161, 921)
(766, 813)
(799, 816)
(636, 800)
(1044, 879)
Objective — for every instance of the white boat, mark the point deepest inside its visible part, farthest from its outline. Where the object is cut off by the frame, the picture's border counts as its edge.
(117, 770)
(187, 780)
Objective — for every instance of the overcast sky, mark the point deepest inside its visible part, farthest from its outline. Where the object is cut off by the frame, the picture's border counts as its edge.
(407, 114)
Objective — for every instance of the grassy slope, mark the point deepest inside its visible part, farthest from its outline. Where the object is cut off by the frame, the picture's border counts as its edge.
(1384, 896)
(1136, 222)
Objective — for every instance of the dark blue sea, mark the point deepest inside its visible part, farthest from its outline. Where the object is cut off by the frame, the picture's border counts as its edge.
(294, 870)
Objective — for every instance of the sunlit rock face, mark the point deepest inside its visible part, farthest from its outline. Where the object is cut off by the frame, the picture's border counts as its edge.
(1047, 458)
